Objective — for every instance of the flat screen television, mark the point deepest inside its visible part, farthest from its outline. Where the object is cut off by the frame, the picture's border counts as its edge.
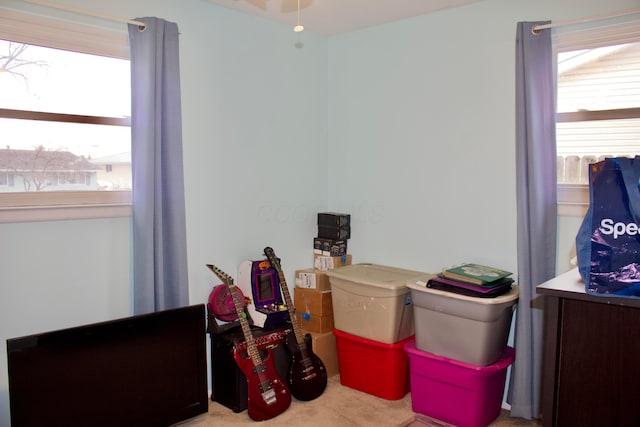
(146, 370)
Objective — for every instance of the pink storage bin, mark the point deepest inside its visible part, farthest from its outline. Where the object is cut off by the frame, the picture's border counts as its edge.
(455, 392)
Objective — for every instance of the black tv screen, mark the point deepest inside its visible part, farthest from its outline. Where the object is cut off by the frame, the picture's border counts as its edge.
(147, 370)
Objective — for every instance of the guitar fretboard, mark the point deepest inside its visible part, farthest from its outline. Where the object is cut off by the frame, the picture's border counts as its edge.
(238, 303)
(275, 263)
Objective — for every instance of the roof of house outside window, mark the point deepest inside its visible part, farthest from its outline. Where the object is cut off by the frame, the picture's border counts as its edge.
(40, 160)
(113, 159)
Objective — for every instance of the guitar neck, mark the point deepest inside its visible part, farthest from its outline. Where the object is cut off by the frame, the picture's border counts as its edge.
(275, 263)
(238, 303)
(252, 348)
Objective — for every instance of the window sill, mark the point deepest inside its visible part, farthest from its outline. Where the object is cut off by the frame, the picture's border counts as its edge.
(573, 199)
(59, 206)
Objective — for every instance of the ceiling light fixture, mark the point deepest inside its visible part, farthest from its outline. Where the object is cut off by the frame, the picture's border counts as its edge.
(298, 27)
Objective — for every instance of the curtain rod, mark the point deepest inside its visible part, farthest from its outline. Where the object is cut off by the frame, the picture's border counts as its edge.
(140, 24)
(538, 28)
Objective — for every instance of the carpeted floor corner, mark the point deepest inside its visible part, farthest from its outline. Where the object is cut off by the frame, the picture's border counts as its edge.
(339, 406)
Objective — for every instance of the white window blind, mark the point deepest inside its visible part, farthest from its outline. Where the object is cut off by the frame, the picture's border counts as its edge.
(41, 31)
(598, 97)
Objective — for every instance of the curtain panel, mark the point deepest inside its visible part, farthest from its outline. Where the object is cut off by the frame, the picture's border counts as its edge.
(536, 209)
(159, 230)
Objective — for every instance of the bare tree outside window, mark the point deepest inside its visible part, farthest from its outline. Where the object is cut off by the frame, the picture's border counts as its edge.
(39, 168)
(13, 63)
(65, 107)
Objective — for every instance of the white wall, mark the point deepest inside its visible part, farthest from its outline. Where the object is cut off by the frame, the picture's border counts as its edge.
(60, 274)
(254, 108)
(408, 126)
(422, 134)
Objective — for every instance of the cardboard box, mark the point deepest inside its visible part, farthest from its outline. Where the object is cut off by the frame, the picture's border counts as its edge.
(315, 323)
(329, 247)
(337, 233)
(311, 278)
(324, 263)
(334, 219)
(324, 346)
(311, 301)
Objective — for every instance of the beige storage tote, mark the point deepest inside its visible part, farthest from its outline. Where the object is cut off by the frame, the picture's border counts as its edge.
(373, 301)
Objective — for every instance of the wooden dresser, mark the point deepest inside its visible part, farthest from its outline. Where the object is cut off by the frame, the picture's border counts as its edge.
(591, 357)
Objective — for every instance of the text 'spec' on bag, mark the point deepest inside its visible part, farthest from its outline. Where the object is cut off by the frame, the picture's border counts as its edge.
(608, 241)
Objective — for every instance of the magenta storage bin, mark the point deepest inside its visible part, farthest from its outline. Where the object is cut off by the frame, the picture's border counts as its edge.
(455, 392)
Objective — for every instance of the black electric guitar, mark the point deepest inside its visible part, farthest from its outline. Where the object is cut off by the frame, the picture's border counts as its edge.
(307, 376)
(267, 395)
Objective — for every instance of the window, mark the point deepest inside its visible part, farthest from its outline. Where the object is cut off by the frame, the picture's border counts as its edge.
(598, 104)
(64, 118)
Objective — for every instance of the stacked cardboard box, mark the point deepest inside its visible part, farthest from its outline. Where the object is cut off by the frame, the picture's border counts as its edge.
(311, 278)
(312, 291)
(323, 263)
(334, 225)
(314, 310)
(324, 346)
(330, 245)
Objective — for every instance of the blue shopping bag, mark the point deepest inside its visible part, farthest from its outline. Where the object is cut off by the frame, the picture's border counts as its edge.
(608, 240)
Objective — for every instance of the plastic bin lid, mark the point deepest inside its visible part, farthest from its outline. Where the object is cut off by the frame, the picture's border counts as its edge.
(381, 276)
(372, 343)
(506, 359)
(421, 286)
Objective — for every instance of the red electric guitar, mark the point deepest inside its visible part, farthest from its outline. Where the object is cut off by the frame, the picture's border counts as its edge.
(267, 395)
(307, 376)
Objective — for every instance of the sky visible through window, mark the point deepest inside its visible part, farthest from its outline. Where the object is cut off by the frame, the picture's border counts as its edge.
(598, 80)
(66, 82)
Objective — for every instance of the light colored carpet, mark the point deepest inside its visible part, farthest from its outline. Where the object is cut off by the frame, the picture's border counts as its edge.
(337, 406)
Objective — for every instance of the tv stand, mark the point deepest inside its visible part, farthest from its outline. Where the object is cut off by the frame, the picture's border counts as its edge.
(591, 371)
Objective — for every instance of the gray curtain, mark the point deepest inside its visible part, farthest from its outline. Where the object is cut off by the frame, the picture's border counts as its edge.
(159, 231)
(536, 209)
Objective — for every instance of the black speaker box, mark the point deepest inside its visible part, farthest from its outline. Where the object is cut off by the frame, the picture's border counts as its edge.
(228, 383)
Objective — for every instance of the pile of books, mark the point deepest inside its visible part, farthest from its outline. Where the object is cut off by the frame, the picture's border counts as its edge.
(473, 280)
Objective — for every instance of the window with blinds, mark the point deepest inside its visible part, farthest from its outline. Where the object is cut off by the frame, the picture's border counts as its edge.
(64, 118)
(598, 98)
